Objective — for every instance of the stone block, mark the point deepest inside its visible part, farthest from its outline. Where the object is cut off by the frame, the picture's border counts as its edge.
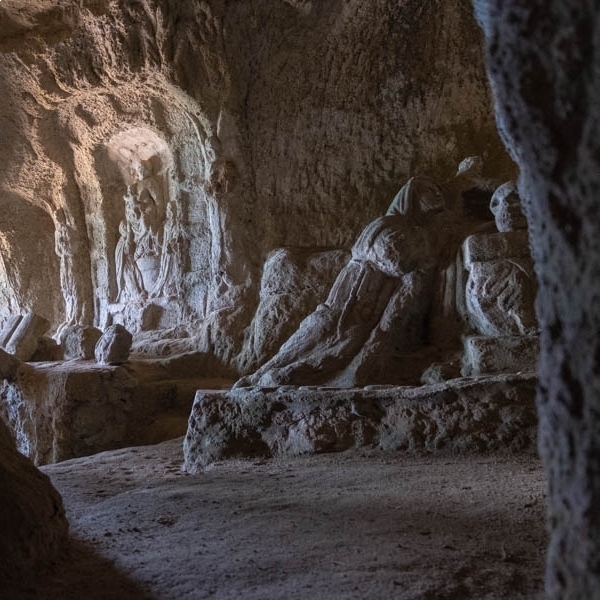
(58, 411)
(509, 354)
(9, 365)
(79, 341)
(9, 328)
(47, 350)
(114, 346)
(483, 247)
(24, 340)
(479, 415)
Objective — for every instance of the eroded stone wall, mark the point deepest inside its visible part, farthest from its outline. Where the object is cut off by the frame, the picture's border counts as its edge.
(287, 124)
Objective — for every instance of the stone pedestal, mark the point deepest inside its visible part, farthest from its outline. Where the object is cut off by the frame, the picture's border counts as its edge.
(462, 415)
(507, 354)
(64, 410)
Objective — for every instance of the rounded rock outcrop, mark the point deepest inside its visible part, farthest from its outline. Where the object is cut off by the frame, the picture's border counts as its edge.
(32, 518)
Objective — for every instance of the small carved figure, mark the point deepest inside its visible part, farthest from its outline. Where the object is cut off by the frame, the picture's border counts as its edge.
(66, 246)
(130, 284)
(170, 275)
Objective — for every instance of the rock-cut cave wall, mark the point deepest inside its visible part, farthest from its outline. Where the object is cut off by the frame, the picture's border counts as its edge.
(155, 152)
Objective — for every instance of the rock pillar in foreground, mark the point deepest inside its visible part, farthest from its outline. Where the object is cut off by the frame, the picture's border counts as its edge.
(544, 66)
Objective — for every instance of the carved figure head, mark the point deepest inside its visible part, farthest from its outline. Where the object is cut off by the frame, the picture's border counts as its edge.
(418, 197)
(506, 208)
(472, 166)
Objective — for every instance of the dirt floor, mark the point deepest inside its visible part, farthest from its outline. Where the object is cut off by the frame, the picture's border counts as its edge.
(351, 526)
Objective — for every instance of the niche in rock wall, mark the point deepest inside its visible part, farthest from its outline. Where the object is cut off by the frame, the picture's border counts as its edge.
(29, 269)
(146, 244)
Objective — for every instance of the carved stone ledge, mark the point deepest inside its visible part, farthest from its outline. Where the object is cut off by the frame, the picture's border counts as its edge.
(465, 415)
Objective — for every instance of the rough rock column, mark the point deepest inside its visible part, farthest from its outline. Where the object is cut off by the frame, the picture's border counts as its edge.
(544, 66)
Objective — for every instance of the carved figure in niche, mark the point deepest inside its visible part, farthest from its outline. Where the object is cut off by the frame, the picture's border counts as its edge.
(67, 246)
(170, 276)
(501, 286)
(147, 220)
(138, 251)
(130, 283)
(376, 314)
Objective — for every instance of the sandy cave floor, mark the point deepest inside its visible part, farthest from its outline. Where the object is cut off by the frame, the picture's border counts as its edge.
(352, 525)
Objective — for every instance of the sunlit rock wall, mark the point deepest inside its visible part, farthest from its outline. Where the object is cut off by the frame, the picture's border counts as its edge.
(158, 151)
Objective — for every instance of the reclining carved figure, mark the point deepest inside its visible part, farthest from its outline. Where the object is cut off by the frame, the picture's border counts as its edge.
(377, 312)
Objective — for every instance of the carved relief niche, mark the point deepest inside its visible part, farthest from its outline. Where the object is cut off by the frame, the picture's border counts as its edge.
(148, 239)
(29, 273)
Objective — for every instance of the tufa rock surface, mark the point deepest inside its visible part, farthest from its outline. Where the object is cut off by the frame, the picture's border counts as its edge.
(176, 146)
(464, 415)
(114, 346)
(58, 411)
(544, 66)
(32, 518)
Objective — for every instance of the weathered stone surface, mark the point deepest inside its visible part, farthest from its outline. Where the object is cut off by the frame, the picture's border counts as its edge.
(381, 308)
(24, 339)
(114, 346)
(9, 328)
(500, 293)
(148, 190)
(507, 354)
(32, 518)
(545, 70)
(47, 350)
(294, 282)
(9, 366)
(63, 410)
(483, 414)
(506, 208)
(483, 247)
(500, 297)
(78, 341)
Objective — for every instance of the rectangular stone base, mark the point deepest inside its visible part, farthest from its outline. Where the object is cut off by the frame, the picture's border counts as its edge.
(475, 414)
(63, 410)
(510, 354)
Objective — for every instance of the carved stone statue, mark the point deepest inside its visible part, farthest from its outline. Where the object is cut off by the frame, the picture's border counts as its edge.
(500, 292)
(138, 251)
(66, 246)
(130, 284)
(501, 286)
(168, 283)
(378, 308)
(147, 226)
